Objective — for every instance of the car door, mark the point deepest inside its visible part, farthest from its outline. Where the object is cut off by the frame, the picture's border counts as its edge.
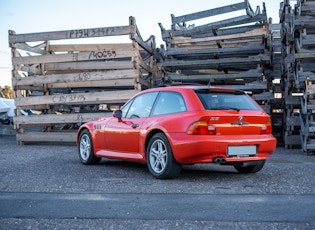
(122, 135)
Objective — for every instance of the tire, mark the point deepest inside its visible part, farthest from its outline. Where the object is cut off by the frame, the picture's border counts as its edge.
(86, 149)
(250, 169)
(160, 160)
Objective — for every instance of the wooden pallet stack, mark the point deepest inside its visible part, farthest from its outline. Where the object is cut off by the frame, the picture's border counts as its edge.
(63, 85)
(304, 28)
(230, 52)
(297, 34)
(277, 103)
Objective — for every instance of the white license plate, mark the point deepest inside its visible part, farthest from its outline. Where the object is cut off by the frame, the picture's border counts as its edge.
(249, 150)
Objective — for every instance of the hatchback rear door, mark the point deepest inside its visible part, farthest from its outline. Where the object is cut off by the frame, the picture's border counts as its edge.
(234, 113)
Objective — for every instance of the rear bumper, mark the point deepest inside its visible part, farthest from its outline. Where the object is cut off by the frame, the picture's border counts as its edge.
(188, 149)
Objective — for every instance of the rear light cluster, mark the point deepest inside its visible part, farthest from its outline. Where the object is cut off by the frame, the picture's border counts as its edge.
(204, 128)
(266, 129)
(201, 128)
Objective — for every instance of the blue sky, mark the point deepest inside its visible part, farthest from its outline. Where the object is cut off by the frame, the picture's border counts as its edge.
(30, 16)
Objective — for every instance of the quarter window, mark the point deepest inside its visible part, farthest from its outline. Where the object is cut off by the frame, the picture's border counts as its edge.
(168, 103)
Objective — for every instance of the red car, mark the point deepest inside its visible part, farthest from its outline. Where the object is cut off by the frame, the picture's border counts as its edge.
(170, 126)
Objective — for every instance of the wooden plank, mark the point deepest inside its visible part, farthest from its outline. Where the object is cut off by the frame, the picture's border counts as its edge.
(215, 63)
(252, 33)
(148, 47)
(89, 65)
(75, 77)
(60, 137)
(248, 49)
(263, 96)
(94, 84)
(119, 96)
(258, 85)
(303, 54)
(89, 47)
(220, 76)
(301, 22)
(208, 13)
(81, 56)
(45, 119)
(71, 34)
(213, 44)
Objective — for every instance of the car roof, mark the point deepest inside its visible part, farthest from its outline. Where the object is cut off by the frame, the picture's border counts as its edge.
(192, 87)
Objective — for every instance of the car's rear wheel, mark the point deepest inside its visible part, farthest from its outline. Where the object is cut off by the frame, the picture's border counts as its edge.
(86, 149)
(160, 160)
(251, 168)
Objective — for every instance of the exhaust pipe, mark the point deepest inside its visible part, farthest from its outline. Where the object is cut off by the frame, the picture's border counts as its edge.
(219, 160)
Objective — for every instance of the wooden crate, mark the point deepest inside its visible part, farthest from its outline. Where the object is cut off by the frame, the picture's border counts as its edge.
(64, 85)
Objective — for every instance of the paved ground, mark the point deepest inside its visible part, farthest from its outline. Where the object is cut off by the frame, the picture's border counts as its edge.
(281, 196)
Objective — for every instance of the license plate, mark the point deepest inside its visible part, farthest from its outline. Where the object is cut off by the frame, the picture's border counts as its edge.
(250, 150)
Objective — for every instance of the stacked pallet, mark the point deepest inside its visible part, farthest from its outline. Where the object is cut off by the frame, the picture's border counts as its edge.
(60, 86)
(277, 103)
(230, 52)
(305, 70)
(297, 34)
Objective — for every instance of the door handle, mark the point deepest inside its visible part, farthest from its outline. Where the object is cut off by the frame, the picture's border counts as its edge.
(135, 125)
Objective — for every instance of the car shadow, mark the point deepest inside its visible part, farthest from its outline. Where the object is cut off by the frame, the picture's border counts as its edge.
(188, 171)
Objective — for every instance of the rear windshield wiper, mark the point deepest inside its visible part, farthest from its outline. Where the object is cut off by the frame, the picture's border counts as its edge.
(227, 108)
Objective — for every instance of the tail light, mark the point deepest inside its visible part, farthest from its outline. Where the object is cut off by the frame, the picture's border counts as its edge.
(201, 128)
(266, 128)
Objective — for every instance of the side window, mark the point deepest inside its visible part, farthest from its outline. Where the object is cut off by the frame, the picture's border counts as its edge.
(169, 102)
(126, 108)
(141, 106)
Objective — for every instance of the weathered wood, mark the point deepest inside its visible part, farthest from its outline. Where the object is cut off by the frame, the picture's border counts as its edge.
(81, 56)
(213, 77)
(71, 34)
(95, 84)
(59, 137)
(77, 98)
(75, 77)
(217, 63)
(213, 44)
(89, 65)
(256, 85)
(89, 47)
(310, 55)
(65, 78)
(208, 13)
(246, 50)
(253, 33)
(58, 118)
(301, 22)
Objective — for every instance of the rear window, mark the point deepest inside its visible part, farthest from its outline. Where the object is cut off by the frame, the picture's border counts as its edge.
(226, 101)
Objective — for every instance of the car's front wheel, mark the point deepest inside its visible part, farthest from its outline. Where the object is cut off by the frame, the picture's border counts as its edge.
(251, 168)
(160, 160)
(86, 149)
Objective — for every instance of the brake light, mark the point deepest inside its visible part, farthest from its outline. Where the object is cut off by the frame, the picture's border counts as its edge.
(266, 128)
(201, 128)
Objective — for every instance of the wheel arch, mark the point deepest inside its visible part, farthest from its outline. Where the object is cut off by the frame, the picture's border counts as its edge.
(149, 136)
(81, 129)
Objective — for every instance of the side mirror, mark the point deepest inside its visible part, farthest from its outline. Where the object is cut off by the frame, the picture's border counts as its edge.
(117, 113)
